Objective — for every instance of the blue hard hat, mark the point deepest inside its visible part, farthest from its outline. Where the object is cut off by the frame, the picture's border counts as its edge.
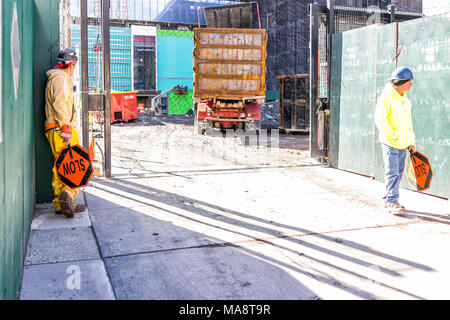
(401, 73)
(67, 55)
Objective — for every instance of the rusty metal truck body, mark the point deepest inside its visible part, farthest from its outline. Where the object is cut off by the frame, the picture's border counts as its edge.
(229, 77)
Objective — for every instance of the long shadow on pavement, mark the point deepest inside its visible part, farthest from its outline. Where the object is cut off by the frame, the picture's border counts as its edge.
(186, 201)
(187, 204)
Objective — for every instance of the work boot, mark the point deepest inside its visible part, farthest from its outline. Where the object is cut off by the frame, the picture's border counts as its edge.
(67, 204)
(396, 209)
(80, 208)
(386, 204)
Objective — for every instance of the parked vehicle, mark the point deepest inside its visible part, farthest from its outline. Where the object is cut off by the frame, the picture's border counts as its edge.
(229, 77)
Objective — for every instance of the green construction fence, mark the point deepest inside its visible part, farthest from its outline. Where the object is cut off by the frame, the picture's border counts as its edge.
(362, 60)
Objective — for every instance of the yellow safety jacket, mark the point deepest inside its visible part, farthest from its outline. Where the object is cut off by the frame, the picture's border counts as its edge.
(59, 101)
(393, 119)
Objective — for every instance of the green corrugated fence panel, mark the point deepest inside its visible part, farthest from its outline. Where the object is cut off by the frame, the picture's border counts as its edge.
(362, 60)
(28, 137)
(386, 51)
(180, 103)
(46, 29)
(17, 183)
(357, 82)
(335, 103)
(426, 50)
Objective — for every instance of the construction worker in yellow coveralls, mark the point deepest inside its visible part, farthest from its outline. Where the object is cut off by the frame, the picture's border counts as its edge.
(60, 125)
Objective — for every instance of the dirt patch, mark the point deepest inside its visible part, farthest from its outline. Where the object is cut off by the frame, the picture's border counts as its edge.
(155, 143)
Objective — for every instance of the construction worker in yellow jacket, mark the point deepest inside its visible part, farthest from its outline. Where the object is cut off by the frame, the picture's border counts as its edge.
(394, 121)
(60, 125)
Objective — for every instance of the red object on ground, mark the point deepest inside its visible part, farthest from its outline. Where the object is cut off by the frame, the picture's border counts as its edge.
(123, 106)
(141, 109)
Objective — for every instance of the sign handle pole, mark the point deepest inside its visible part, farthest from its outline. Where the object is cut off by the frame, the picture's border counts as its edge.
(70, 151)
(412, 156)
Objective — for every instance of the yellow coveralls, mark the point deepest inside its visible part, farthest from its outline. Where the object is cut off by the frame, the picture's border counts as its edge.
(59, 111)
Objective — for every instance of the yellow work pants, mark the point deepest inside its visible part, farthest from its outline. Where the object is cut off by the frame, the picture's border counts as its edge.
(57, 144)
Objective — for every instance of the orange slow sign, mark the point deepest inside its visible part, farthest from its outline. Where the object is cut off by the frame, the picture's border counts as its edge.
(418, 171)
(74, 167)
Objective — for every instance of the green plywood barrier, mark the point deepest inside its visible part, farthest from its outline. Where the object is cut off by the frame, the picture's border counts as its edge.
(46, 29)
(386, 51)
(17, 186)
(426, 50)
(180, 103)
(335, 103)
(355, 79)
(362, 60)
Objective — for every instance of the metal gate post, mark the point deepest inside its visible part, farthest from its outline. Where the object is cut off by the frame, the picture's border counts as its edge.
(313, 70)
(330, 4)
(84, 73)
(391, 9)
(314, 11)
(106, 84)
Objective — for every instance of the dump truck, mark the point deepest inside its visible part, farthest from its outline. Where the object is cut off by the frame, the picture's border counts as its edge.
(229, 78)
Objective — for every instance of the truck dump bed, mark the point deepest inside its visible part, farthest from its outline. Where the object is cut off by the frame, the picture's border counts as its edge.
(229, 63)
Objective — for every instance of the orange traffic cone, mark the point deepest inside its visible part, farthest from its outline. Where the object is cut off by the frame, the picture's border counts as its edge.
(92, 151)
(141, 108)
(96, 165)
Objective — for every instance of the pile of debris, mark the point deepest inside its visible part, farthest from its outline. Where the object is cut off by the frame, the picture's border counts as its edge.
(270, 115)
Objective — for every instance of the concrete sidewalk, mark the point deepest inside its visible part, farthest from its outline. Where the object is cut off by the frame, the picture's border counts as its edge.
(306, 232)
(63, 260)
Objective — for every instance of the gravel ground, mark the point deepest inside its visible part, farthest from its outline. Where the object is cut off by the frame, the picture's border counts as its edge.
(170, 142)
